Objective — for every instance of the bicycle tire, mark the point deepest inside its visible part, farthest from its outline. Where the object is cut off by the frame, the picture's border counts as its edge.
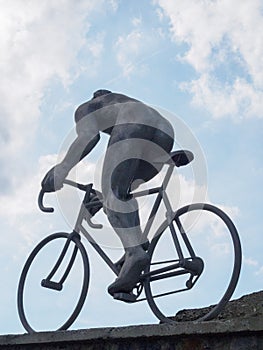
(85, 282)
(213, 310)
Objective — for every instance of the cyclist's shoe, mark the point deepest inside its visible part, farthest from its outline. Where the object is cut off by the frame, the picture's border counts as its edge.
(130, 272)
(120, 262)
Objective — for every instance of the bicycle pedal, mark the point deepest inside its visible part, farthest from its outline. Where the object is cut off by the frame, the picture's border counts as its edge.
(127, 297)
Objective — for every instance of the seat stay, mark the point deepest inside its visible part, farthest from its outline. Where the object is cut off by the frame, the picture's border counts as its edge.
(151, 217)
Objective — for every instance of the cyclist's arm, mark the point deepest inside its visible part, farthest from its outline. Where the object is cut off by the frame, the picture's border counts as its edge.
(87, 138)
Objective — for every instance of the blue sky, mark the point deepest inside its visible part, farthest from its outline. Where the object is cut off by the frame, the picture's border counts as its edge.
(199, 60)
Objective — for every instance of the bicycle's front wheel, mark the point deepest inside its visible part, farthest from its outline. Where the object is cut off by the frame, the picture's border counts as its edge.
(53, 283)
(215, 242)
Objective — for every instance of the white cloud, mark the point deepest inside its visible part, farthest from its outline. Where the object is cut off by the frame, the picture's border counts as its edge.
(22, 201)
(128, 47)
(114, 4)
(133, 49)
(221, 36)
(23, 223)
(240, 99)
(96, 45)
(260, 271)
(39, 42)
(250, 261)
(137, 21)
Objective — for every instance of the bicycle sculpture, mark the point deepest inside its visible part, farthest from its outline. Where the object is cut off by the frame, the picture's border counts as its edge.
(185, 263)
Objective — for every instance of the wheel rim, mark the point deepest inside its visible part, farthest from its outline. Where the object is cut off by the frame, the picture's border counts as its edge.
(25, 278)
(233, 279)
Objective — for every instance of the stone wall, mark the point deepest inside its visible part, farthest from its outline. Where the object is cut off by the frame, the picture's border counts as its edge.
(239, 327)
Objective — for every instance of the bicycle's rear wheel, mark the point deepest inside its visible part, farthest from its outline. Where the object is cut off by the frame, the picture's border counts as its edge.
(41, 308)
(217, 243)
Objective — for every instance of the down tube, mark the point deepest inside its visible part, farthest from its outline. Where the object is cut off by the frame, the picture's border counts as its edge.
(98, 249)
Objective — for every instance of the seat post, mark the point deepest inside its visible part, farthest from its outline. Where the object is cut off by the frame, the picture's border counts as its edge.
(167, 176)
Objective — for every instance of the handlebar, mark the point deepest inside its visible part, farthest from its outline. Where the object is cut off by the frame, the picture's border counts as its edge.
(42, 193)
(87, 188)
(41, 205)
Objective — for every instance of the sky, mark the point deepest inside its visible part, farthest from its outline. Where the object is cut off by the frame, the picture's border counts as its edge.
(197, 61)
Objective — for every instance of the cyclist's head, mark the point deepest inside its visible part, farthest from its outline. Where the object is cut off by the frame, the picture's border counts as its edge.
(101, 92)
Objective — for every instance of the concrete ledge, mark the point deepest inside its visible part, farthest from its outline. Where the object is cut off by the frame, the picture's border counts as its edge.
(238, 327)
(141, 337)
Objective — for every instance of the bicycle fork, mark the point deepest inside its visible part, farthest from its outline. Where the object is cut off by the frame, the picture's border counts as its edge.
(58, 286)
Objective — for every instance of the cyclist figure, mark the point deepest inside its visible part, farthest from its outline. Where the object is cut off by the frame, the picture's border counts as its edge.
(138, 135)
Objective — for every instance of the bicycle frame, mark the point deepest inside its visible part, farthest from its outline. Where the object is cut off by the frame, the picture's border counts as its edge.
(170, 214)
(191, 265)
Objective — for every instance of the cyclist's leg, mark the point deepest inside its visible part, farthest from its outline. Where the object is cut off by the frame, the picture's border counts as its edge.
(122, 212)
(123, 167)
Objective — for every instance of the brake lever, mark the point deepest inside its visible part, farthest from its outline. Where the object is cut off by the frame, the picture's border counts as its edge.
(91, 224)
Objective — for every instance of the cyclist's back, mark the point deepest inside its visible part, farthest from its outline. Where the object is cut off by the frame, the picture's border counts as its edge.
(110, 109)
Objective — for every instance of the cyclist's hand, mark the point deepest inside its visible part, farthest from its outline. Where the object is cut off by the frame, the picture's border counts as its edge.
(53, 180)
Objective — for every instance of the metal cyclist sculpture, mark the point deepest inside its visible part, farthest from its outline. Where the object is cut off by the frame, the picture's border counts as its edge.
(141, 135)
(160, 261)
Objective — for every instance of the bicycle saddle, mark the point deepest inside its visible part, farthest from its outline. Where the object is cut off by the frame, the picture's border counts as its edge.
(180, 158)
(177, 158)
